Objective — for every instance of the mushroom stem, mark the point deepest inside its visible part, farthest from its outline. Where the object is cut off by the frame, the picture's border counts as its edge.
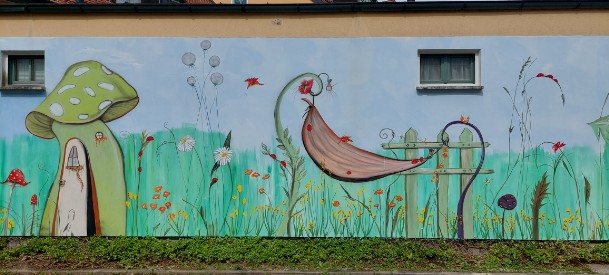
(32, 224)
(8, 210)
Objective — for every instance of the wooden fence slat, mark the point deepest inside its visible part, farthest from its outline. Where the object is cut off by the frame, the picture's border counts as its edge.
(467, 158)
(411, 189)
(433, 145)
(442, 191)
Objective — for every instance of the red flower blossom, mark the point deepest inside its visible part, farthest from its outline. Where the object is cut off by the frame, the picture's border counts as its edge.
(378, 192)
(335, 203)
(392, 205)
(557, 146)
(273, 156)
(540, 75)
(168, 204)
(158, 188)
(34, 200)
(348, 172)
(140, 154)
(162, 209)
(283, 163)
(144, 205)
(376, 205)
(556, 80)
(156, 197)
(550, 76)
(166, 194)
(305, 86)
(398, 198)
(415, 161)
(261, 191)
(149, 139)
(214, 180)
(152, 206)
(139, 169)
(309, 128)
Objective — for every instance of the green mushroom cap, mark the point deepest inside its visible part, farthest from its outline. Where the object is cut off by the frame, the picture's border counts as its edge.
(88, 91)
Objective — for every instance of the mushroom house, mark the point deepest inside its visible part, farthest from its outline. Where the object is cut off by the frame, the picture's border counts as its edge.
(88, 193)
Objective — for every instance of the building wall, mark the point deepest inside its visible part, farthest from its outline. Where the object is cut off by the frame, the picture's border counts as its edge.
(194, 126)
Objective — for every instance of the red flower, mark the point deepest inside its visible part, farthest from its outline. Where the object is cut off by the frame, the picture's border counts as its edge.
(166, 194)
(261, 191)
(214, 180)
(168, 204)
(162, 209)
(348, 172)
(335, 203)
(392, 205)
(144, 205)
(556, 80)
(378, 192)
(156, 197)
(149, 139)
(540, 75)
(140, 154)
(398, 198)
(305, 86)
(550, 76)
(415, 161)
(557, 146)
(34, 200)
(273, 156)
(309, 127)
(283, 163)
(152, 206)
(158, 188)
(139, 169)
(376, 205)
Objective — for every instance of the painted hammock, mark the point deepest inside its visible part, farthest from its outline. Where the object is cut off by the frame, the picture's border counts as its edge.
(341, 160)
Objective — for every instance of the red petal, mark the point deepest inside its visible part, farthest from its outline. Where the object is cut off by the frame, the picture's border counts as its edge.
(550, 76)
(540, 75)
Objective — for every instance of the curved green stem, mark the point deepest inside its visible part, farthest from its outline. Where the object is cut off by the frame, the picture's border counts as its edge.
(291, 151)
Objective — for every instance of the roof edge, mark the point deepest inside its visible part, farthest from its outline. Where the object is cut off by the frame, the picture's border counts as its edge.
(310, 8)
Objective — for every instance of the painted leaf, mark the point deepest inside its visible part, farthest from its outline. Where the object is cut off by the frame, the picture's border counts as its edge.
(601, 128)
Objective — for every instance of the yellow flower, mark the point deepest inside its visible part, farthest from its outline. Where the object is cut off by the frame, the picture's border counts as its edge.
(322, 201)
(234, 197)
(308, 186)
(571, 230)
(129, 195)
(283, 202)
(11, 224)
(430, 214)
(135, 196)
(421, 219)
(423, 210)
(236, 211)
(239, 188)
(311, 224)
(3, 210)
(282, 213)
(127, 203)
(244, 201)
(232, 216)
(567, 209)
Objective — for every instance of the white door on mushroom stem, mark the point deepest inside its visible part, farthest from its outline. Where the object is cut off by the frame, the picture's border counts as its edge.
(71, 216)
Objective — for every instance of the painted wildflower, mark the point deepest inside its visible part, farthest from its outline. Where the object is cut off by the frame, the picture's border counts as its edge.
(223, 155)
(186, 143)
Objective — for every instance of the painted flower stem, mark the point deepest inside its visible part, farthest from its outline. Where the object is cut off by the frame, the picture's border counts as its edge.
(8, 209)
(460, 232)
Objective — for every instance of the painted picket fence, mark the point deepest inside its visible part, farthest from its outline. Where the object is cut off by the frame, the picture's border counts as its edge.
(464, 149)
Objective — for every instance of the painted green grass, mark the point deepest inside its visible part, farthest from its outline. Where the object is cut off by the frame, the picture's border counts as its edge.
(241, 204)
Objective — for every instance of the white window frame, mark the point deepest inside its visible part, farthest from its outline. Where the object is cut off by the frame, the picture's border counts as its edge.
(477, 85)
(5, 81)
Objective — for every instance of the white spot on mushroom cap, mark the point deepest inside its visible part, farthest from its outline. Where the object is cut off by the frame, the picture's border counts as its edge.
(64, 88)
(74, 100)
(106, 70)
(80, 71)
(104, 104)
(89, 91)
(106, 86)
(56, 109)
(83, 116)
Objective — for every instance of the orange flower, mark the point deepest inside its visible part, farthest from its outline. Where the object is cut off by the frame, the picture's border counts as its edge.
(248, 172)
(266, 177)
(156, 197)
(376, 205)
(378, 192)
(168, 204)
(255, 175)
(144, 206)
(440, 166)
(261, 190)
(153, 206)
(335, 203)
(392, 205)
(166, 194)
(162, 209)
(398, 198)
(158, 188)
(172, 216)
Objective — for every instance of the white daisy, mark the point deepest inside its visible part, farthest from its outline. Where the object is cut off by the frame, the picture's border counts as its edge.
(222, 155)
(186, 143)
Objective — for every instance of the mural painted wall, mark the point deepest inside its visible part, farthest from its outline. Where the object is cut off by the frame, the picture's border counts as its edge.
(306, 137)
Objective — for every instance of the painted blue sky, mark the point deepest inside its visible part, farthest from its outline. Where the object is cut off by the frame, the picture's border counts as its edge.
(375, 80)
